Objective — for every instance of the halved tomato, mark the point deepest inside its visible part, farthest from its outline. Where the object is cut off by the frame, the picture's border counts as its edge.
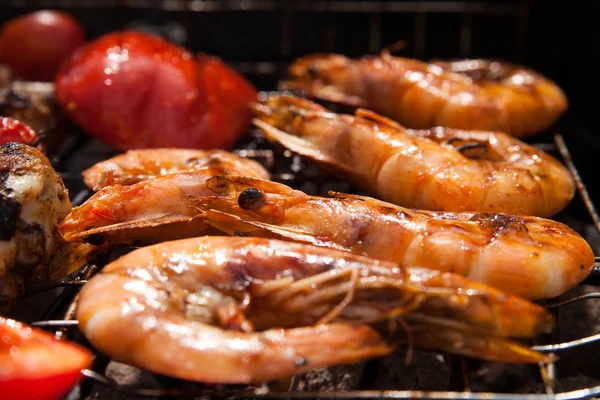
(135, 90)
(36, 365)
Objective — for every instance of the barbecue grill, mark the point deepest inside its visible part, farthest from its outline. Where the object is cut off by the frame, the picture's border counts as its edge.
(277, 32)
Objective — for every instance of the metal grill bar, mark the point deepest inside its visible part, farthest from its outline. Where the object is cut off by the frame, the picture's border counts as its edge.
(581, 188)
(368, 7)
(567, 345)
(362, 394)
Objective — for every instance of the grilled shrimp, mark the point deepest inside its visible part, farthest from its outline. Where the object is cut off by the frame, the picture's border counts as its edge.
(250, 310)
(530, 257)
(150, 210)
(462, 94)
(33, 200)
(440, 169)
(135, 166)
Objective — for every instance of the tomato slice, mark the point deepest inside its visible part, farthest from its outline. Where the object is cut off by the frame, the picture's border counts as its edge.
(36, 365)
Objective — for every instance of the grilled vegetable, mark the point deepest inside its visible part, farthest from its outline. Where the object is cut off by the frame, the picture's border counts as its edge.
(12, 130)
(36, 365)
(135, 90)
(34, 45)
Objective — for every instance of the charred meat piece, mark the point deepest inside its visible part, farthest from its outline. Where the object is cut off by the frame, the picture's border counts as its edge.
(33, 200)
(33, 104)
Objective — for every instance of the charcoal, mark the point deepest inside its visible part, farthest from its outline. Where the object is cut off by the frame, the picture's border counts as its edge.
(503, 378)
(426, 371)
(338, 378)
(125, 374)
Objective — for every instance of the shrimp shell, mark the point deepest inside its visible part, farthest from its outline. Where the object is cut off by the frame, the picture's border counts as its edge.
(530, 257)
(440, 169)
(462, 94)
(135, 166)
(250, 310)
(151, 210)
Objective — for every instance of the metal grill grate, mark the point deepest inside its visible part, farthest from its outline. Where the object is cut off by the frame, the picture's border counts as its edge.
(290, 28)
(290, 169)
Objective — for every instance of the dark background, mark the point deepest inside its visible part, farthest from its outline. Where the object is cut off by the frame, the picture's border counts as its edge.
(557, 38)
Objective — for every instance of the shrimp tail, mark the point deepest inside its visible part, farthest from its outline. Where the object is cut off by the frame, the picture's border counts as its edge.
(71, 257)
(303, 148)
(338, 343)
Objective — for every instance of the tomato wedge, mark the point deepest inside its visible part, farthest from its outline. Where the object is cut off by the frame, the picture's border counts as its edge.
(12, 130)
(36, 365)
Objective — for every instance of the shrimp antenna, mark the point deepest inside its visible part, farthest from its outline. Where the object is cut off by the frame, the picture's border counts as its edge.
(394, 48)
(410, 343)
(337, 310)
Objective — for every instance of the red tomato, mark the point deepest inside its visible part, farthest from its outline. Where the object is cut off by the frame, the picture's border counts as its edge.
(229, 115)
(34, 45)
(12, 130)
(135, 90)
(36, 365)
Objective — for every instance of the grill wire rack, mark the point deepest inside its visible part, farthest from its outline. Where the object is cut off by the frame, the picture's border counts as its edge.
(288, 168)
(79, 152)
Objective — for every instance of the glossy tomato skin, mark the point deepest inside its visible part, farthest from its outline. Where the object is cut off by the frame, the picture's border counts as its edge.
(36, 365)
(49, 388)
(34, 45)
(135, 90)
(12, 130)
